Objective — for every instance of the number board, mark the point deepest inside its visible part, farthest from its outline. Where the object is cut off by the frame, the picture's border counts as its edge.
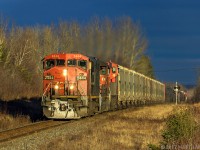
(48, 77)
(81, 77)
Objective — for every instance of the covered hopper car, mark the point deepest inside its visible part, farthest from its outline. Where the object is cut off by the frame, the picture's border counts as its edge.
(75, 85)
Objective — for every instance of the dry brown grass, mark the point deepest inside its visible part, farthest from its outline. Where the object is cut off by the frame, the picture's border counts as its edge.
(197, 113)
(9, 122)
(133, 128)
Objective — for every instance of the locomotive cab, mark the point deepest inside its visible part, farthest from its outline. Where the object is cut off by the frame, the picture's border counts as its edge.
(65, 85)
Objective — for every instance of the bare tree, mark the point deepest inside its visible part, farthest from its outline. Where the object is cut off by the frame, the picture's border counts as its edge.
(65, 39)
(22, 48)
(49, 43)
(88, 39)
(3, 28)
(75, 36)
(108, 39)
(130, 42)
(2, 42)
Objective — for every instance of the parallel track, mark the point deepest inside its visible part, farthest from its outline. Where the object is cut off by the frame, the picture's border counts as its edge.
(8, 135)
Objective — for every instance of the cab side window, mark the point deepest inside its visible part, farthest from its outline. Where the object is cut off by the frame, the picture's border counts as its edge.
(114, 70)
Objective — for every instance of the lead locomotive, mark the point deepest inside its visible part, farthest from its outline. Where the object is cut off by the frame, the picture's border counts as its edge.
(75, 85)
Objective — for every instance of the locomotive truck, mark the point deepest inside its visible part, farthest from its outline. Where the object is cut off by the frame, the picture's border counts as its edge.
(76, 85)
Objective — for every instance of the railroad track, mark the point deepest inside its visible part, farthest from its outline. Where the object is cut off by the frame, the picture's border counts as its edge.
(29, 129)
(8, 135)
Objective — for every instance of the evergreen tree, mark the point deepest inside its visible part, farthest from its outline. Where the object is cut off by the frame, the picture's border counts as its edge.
(144, 66)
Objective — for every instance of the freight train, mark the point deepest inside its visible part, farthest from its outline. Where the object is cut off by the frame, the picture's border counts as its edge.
(76, 85)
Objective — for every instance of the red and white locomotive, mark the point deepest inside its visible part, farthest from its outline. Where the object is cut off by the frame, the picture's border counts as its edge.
(75, 85)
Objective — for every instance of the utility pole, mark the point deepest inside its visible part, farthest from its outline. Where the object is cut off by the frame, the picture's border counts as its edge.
(176, 89)
(176, 95)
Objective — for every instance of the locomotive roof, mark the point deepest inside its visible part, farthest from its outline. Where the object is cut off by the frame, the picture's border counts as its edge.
(79, 56)
(65, 55)
(73, 56)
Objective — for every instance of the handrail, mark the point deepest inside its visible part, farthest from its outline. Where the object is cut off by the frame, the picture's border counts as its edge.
(47, 88)
(82, 91)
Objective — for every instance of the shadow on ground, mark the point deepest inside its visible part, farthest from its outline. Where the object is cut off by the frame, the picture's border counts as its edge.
(28, 107)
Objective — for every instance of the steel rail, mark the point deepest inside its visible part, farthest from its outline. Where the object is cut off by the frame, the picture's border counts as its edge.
(29, 129)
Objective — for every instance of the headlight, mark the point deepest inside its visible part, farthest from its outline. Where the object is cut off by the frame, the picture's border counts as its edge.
(56, 87)
(71, 87)
(64, 72)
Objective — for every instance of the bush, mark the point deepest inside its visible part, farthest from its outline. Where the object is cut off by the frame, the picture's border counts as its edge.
(180, 130)
(179, 126)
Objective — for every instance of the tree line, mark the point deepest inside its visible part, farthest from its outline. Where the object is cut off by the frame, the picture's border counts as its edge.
(22, 49)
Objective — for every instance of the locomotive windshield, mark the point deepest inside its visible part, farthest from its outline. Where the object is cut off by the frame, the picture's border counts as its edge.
(60, 62)
(82, 64)
(103, 70)
(71, 62)
(50, 63)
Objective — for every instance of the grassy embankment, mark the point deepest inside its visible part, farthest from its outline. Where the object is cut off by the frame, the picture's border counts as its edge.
(9, 122)
(132, 128)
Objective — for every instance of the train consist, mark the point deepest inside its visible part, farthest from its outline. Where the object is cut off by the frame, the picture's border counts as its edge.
(75, 85)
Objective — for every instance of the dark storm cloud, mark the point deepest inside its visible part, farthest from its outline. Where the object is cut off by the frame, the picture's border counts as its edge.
(172, 26)
(184, 71)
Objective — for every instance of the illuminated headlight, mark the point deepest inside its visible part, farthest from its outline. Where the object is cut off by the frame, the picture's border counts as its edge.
(56, 87)
(64, 72)
(71, 87)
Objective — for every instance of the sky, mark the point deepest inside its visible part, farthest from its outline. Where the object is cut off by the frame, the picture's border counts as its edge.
(172, 27)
